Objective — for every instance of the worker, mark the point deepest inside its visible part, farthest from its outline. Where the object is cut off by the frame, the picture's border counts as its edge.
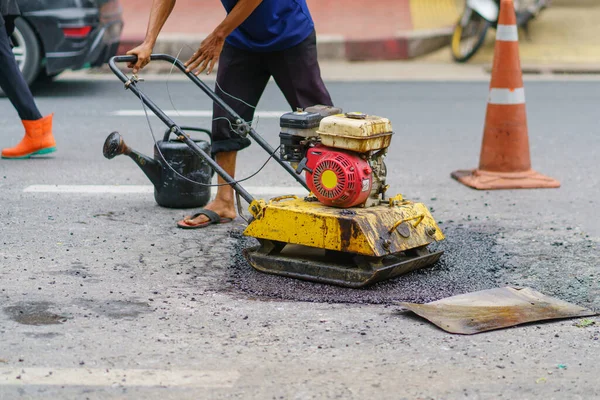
(257, 40)
(38, 130)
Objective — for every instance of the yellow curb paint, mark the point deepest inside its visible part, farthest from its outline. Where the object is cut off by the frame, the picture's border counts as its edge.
(552, 40)
(434, 14)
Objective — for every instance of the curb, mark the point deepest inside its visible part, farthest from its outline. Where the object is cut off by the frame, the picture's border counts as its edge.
(555, 69)
(404, 46)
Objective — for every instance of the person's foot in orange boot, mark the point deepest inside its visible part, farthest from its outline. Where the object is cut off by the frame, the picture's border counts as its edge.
(38, 140)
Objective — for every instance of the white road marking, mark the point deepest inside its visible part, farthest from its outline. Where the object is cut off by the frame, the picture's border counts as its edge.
(117, 377)
(370, 71)
(147, 189)
(192, 113)
(89, 189)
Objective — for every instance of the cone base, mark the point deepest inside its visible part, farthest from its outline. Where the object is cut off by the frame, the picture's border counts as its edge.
(487, 180)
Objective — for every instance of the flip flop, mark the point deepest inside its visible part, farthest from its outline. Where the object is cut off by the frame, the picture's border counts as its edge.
(213, 218)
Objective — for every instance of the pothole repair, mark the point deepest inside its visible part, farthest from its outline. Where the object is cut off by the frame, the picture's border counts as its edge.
(469, 264)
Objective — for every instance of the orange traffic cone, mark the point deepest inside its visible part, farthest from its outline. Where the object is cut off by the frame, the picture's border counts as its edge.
(504, 162)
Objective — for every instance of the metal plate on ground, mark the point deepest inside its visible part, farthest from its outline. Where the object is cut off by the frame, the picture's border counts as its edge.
(317, 265)
(498, 308)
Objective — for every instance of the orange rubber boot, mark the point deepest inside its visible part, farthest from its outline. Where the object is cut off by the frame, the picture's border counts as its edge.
(38, 139)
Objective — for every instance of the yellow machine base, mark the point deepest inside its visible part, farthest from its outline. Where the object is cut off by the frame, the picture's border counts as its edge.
(353, 247)
(378, 231)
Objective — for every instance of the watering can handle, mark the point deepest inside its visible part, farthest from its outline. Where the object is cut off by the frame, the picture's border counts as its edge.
(187, 128)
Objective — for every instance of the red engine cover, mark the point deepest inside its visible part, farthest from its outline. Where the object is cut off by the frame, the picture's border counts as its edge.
(338, 178)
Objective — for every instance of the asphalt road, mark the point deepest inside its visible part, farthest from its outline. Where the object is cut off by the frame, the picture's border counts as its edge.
(103, 297)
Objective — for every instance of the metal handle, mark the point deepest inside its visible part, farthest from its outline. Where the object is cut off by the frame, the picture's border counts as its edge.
(187, 128)
(420, 218)
(130, 84)
(243, 128)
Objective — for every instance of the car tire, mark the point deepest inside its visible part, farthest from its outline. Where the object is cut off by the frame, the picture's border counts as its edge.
(27, 51)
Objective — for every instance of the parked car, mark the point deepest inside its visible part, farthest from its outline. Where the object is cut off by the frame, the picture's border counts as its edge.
(52, 36)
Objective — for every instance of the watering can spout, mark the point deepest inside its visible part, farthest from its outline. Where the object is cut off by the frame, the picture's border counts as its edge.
(114, 145)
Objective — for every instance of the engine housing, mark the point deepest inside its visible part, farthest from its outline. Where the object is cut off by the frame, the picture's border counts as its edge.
(338, 178)
(342, 154)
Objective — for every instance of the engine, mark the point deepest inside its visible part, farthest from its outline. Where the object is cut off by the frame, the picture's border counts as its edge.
(341, 154)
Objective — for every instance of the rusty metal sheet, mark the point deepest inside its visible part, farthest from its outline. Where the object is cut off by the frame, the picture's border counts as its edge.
(495, 309)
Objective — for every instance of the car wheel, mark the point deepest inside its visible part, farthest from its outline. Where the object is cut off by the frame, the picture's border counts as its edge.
(27, 50)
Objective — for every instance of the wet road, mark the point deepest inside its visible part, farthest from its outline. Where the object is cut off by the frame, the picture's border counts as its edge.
(104, 282)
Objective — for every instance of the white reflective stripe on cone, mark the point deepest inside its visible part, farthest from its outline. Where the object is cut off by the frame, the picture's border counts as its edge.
(507, 96)
(507, 33)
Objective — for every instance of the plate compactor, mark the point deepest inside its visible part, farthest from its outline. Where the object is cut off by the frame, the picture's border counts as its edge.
(346, 231)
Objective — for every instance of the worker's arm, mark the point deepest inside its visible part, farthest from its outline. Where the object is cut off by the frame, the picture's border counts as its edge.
(210, 48)
(161, 9)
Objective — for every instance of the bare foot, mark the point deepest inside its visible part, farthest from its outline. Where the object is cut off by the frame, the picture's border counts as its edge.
(225, 209)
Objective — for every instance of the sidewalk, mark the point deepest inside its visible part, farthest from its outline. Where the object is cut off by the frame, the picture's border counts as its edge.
(563, 39)
(347, 29)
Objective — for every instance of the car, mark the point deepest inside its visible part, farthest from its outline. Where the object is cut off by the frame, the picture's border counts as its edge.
(52, 36)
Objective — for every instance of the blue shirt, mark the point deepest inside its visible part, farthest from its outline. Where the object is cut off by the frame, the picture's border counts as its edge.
(273, 26)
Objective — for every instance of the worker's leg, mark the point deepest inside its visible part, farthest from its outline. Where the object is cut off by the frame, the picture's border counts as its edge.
(11, 80)
(241, 81)
(297, 73)
(38, 137)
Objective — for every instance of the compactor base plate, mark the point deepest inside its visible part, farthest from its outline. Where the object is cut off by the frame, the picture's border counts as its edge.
(333, 267)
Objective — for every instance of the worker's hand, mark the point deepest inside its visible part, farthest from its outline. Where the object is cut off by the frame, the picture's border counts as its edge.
(207, 55)
(143, 52)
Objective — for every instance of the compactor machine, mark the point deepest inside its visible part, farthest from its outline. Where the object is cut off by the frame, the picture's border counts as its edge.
(347, 230)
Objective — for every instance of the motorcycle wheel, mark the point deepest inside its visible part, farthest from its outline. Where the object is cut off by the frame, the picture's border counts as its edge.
(468, 37)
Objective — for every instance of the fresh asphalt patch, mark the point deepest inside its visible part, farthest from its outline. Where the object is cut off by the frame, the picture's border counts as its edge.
(476, 257)
(468, 264)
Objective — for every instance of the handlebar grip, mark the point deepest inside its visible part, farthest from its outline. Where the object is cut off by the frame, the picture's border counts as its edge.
(126, 58)
(153, 57)
(132, 58)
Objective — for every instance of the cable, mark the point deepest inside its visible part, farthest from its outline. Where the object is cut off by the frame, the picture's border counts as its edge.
(169, 77)
(217, 84)
(183, 177)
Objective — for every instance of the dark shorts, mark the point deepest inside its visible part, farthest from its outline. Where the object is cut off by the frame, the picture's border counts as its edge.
(244, 75)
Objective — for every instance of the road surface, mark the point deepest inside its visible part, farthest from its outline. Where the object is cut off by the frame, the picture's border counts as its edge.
(103, 297)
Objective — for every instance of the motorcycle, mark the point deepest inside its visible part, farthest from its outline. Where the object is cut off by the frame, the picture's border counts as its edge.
(481, 15)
